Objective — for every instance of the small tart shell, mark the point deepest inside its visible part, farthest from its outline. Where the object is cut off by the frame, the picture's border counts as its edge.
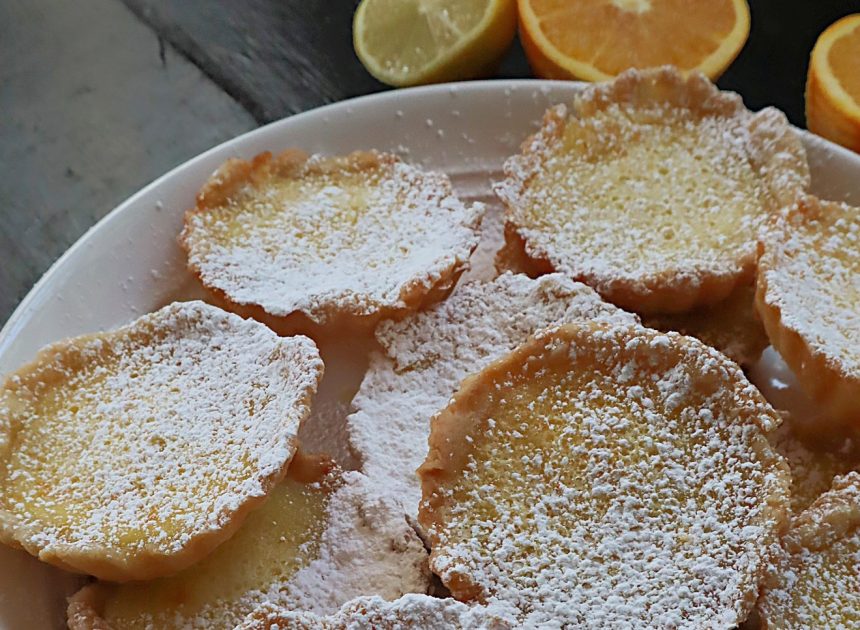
(312, 244)
(815, 578)
(577, 193)
(322, 539)
(519, 509)
(132, 454)
(808, 297)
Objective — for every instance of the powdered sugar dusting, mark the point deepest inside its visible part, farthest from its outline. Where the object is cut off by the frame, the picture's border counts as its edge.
(650, 182)
(811, 272)
(426, 356)
(608, 477)
(332, 235)
(409, 611)
(813, 467)
(815, 578)
(339, 540)
(367, 548)
(138, 441)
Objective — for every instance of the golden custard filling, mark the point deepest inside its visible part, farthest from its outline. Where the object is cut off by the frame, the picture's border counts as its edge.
(319, 213)
(684, 190)
(69, 437)
(273, 544)
(593, 470)
(567, 426)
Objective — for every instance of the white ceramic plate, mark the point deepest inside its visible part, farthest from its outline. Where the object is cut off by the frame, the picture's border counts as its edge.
(130, 263)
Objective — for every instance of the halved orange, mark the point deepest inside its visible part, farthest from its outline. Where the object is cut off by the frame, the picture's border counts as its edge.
(595, 40)
(833, 84)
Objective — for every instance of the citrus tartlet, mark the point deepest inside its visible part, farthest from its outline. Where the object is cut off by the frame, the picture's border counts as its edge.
(652, 188)
(815, 582)
(808, 296)
(609, 476)
(320, 540)
(307, 242)
(132, 454)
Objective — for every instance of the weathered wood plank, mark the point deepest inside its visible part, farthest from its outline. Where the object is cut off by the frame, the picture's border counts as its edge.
(275, 57)
(92, 109)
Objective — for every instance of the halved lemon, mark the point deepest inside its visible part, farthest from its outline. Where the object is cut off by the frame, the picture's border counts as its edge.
(833, 84)
(595, 40)
(409, 42)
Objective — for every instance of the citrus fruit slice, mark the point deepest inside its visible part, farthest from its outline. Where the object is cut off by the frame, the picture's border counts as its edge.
(833, 84)
(596, 40)
(408, 42)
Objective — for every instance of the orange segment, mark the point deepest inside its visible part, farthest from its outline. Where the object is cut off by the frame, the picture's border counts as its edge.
(596, 40)
(833, 84)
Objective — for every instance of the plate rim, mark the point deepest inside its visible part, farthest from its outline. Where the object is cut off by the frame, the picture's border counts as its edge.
(15, 320)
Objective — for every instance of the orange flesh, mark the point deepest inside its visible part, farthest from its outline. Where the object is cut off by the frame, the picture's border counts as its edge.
(844, 60)
(620, 34)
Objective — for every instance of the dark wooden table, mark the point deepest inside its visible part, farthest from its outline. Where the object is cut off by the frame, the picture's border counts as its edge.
(99, 97)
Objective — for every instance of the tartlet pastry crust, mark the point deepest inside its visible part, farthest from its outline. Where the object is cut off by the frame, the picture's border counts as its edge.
(651, 189)
(132, 454)
(808, 296)
(732, 326)
(315, 243)
(592, 471)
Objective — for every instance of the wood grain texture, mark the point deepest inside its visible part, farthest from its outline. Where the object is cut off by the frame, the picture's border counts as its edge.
(276, 58)
(92, 109)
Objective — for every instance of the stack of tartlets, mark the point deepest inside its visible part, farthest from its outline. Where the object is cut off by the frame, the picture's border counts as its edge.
(571, 443)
